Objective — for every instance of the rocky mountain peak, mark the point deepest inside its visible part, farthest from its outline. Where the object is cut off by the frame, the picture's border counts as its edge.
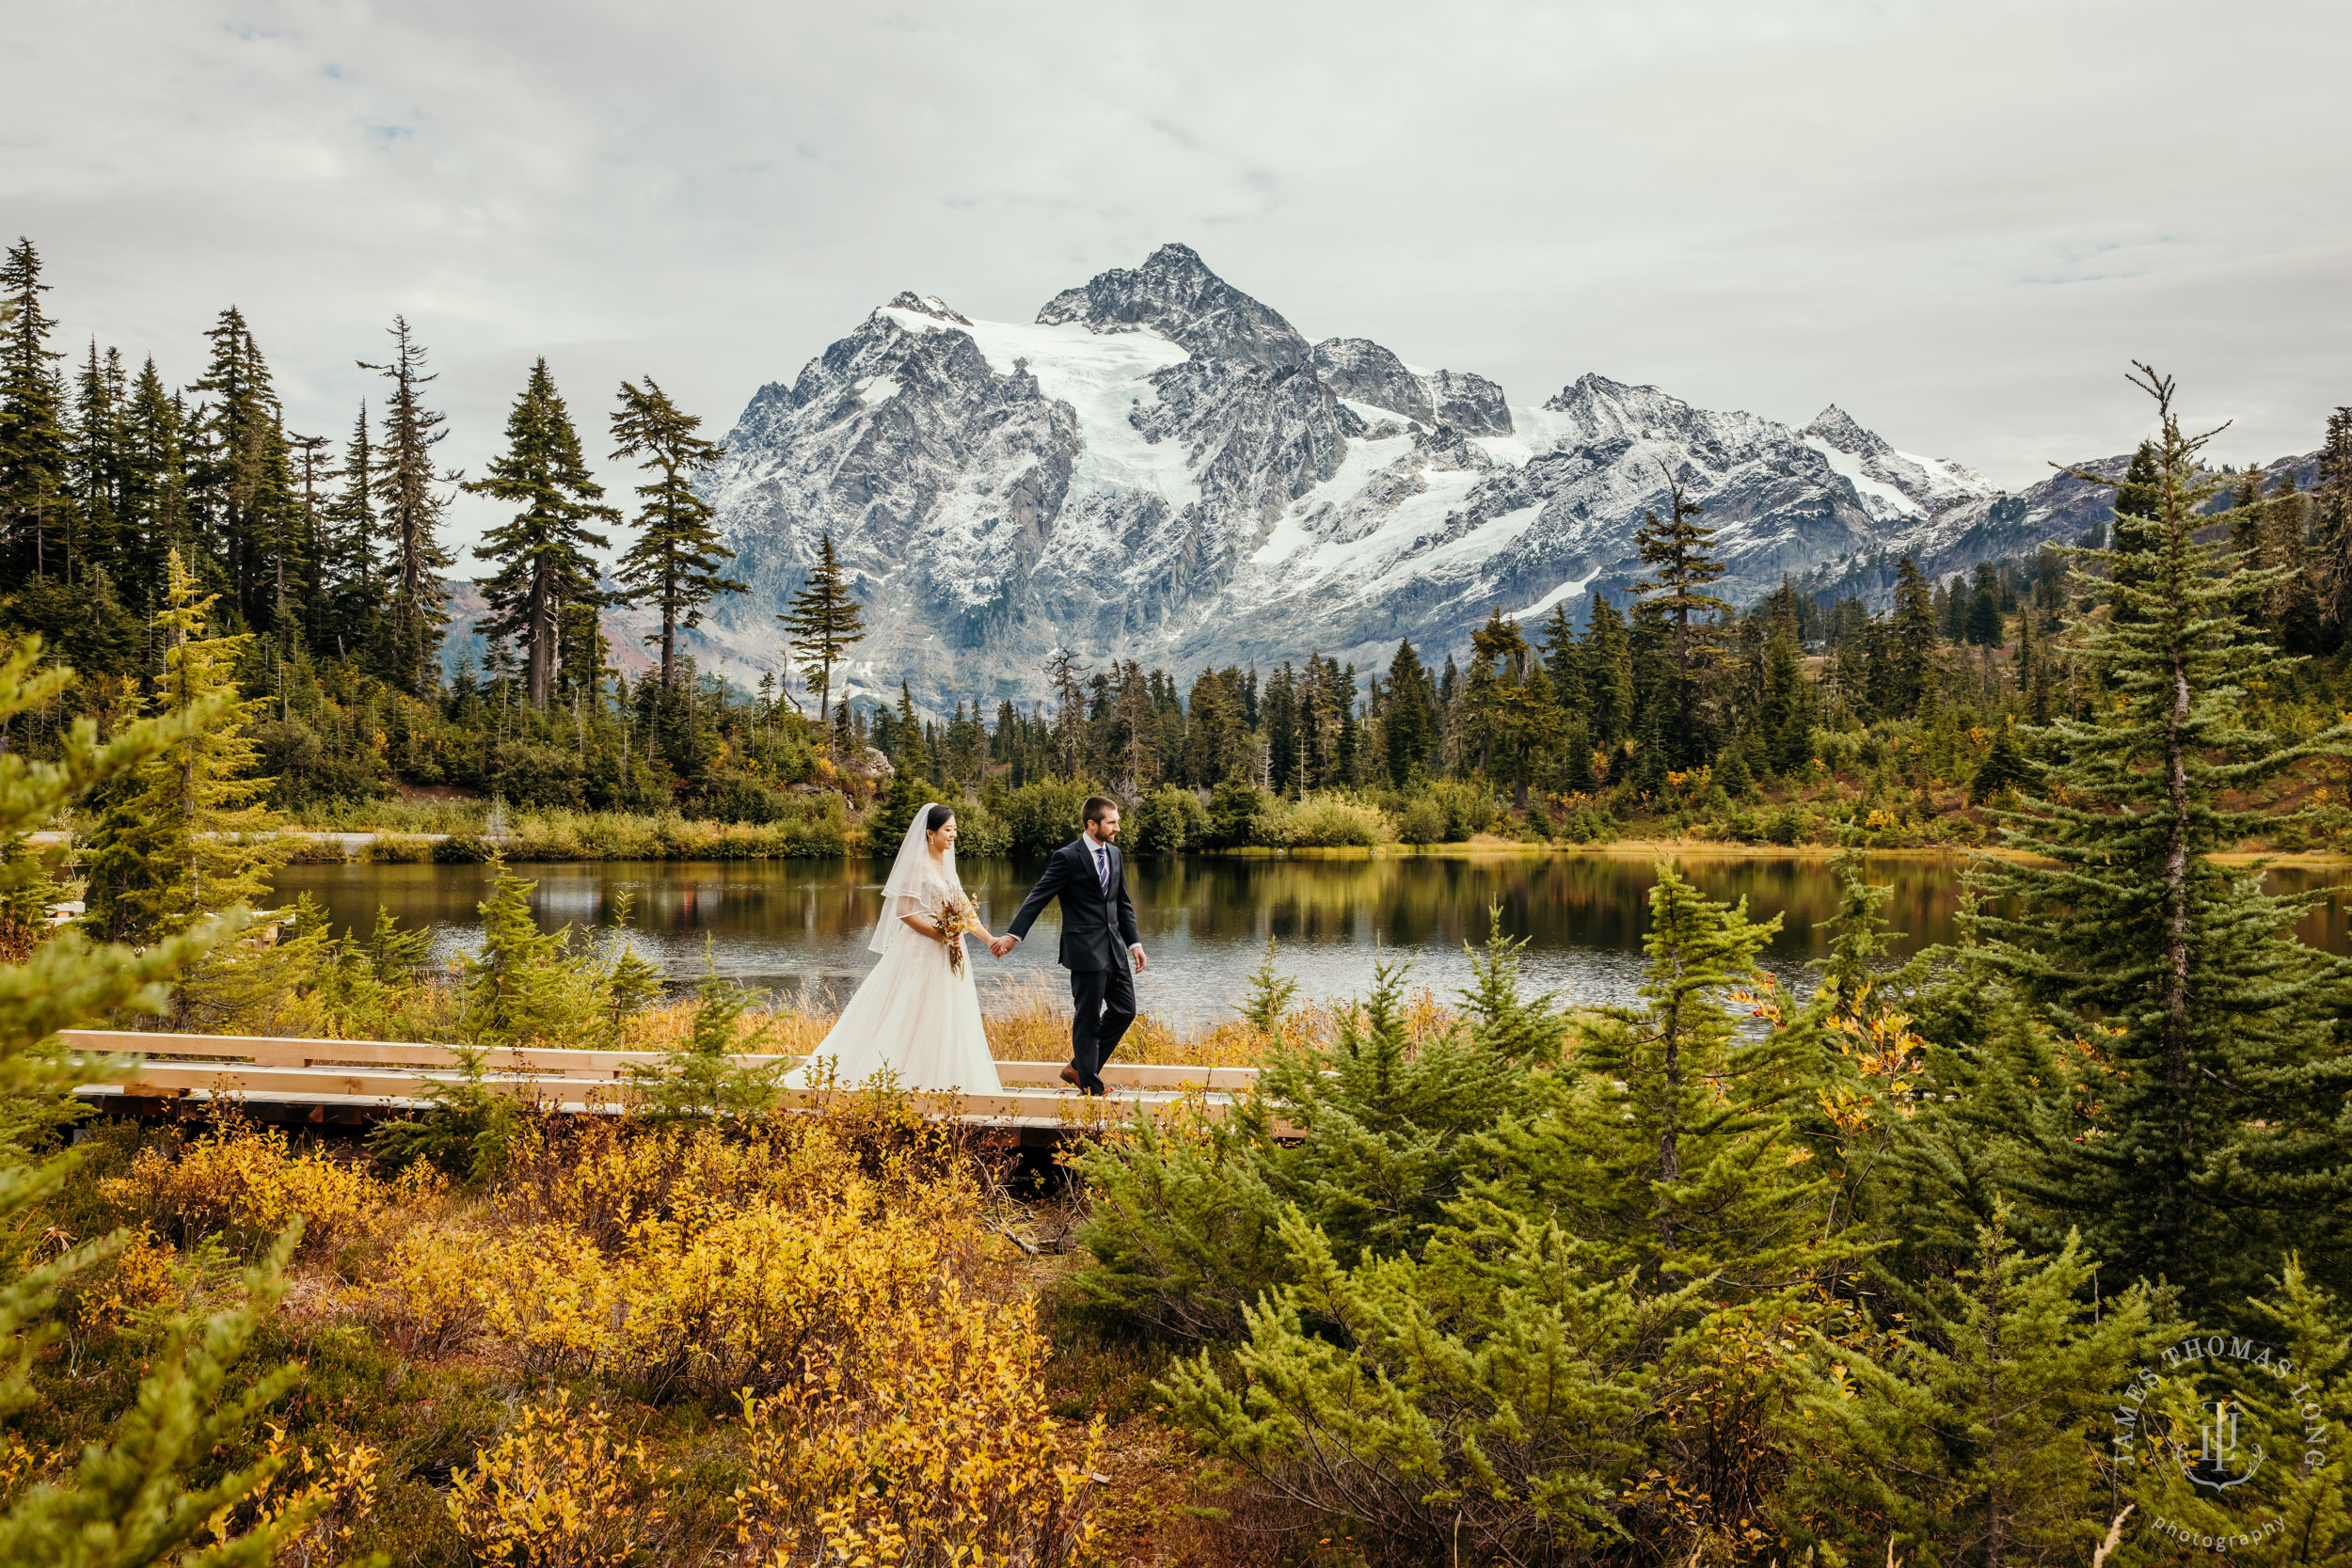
(1841, 430)
(1600, 409)
(1175, 292)
(928, 305)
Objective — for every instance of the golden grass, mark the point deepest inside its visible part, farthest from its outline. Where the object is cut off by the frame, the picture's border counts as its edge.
(1029, 1020)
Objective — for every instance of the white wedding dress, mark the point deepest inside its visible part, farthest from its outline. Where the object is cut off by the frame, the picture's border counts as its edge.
(912, 1014)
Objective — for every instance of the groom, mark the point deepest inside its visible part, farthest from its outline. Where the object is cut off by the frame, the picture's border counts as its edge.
(1098, 939)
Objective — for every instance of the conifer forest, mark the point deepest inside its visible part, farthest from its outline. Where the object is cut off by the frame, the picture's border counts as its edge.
(2032, 1249)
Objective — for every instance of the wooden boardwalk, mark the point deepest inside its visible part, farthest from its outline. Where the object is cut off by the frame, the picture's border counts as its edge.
(357, 1083)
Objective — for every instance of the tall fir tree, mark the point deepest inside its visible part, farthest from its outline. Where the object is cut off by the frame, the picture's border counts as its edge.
(151, 1485)
(2332, 520)
(411, 512)
(1408, 715)
(824, 621)
(674, 565)
(350, 569)
(1608, 675)
(542, 552)
(2195, 1136)
(36, 483)
(1674, 553)
(242, 480)
(1911, 655)
(188, 837)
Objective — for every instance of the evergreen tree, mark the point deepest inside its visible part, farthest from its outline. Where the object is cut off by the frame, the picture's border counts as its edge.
(351, 573)
(909, 780)
(411, 513)
(242, 479)
(1608, 675)
(1674, 553)
(1911, 653)
(1677, 1167)
(2332, 523)
(177, 845)
(2202, 1139)
(542, 552)
(1408, 715)
(153, 511)
(1963, 1440)
(35, 461)
(824, 621)
(525, 985)
(146, 1488)
(674, 565)
(1064, 674)
(1563, 660)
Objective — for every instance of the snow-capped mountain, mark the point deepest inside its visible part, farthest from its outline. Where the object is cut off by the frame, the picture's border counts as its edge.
(1161, 467)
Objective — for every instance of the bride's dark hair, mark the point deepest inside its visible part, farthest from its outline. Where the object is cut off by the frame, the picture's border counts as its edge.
(936, 818)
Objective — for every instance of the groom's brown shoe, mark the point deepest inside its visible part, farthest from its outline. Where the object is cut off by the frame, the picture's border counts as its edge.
(1069, 1076)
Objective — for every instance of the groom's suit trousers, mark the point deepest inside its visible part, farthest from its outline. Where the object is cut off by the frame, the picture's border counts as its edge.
(1103, 1003)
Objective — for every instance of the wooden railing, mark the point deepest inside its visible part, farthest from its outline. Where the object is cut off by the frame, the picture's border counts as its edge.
(393, 1074)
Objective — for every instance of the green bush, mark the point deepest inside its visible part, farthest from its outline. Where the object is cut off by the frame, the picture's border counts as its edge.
(1323, 821)
(980, 834)
(1234, 808)
(1044, 815)
(1422, 821)
(1469, 809)
(462, 849)
(1167, 820)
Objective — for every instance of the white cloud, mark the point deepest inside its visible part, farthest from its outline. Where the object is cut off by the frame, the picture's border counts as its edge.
(1956, 221)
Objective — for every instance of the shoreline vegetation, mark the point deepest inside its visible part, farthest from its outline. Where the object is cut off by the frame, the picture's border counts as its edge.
(1735, 1275)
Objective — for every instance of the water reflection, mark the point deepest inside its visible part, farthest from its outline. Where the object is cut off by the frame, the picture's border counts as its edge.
(793, 924)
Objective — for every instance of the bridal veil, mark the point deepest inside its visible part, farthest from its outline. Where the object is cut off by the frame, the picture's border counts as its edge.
(908, 872)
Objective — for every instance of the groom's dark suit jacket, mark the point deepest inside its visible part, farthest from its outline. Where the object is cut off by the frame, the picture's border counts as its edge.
(1097, 927)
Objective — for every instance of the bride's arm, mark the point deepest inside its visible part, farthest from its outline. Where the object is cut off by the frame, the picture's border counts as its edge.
(911, 914)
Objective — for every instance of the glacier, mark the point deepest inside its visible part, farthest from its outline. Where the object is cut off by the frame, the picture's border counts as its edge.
(1161, 469)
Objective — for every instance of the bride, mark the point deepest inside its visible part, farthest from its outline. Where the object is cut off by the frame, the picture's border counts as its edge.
(915, 1013)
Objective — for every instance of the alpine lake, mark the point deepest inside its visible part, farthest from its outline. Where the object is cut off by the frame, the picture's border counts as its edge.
(797, 930)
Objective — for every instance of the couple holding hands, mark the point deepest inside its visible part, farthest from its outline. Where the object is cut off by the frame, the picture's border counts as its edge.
(917, 1013)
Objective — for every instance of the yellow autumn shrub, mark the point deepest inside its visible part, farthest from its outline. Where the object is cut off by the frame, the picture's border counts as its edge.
(334, 1485)
(561, 1490)
(244, 1183)
(430, 1294)
(932, 1443)
(718, 1294)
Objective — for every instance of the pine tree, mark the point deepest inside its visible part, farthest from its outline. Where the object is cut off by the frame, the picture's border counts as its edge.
(411, 513)
(2199, 1138)
(177, 845)
(34, 460)
(242, 480)
(1408, 717)
(2332, 523)
(1064, 674)
(909, 780)
(1912, 636)
(1678, 1163)
(143, 1491)
(542, 552)
(1674, 553)
(1608, 675)
(349, 568)
(525, 985)
(155, 506)
(1963, 1439)
(674, 565)
(824, 622)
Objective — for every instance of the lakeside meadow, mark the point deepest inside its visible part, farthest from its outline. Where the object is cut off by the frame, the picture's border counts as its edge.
(2027, 1244)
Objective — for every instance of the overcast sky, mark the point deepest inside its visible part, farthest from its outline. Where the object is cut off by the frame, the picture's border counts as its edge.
(1958, 221)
